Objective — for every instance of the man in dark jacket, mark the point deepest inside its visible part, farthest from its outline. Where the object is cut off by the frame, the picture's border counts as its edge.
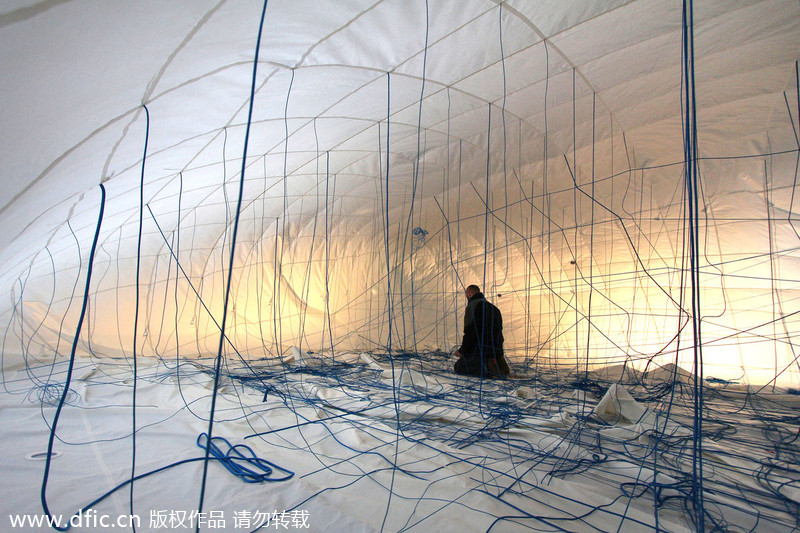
(481, 352)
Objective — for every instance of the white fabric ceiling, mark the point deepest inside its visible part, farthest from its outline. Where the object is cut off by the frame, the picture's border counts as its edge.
(590, 88)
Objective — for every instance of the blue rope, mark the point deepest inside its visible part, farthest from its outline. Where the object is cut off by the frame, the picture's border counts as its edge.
(691, 178)
(231, 263)
(136, 303)
(242, 461)
(72, 355)
(233, 460)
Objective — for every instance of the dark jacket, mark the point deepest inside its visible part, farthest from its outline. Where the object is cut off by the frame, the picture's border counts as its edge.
(483, 329)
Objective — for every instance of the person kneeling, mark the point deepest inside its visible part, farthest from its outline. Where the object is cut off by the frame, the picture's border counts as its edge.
(481, 351)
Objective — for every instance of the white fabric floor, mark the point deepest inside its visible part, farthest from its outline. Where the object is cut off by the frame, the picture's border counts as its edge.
(432, 452)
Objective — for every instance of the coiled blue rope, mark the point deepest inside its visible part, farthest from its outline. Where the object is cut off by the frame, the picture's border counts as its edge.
(242, 461)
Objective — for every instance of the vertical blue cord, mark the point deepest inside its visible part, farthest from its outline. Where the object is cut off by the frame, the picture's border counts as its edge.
(486, 213)
(136, 312)
(230, 265)
(414, 185)
(690, 158)
(277, 295)
(327, 255)
(75, 340)
(276, 280)
(575, 214)
(591, 248)
(388, 258)
(505, 157)
(389, 310)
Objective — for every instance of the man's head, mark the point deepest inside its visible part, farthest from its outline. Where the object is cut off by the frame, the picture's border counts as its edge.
(472, 290)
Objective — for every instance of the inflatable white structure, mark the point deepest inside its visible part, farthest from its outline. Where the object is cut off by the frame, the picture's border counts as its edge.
(256, 220)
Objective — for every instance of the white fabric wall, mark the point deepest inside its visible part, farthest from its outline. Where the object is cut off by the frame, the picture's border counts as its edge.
(593, 85)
